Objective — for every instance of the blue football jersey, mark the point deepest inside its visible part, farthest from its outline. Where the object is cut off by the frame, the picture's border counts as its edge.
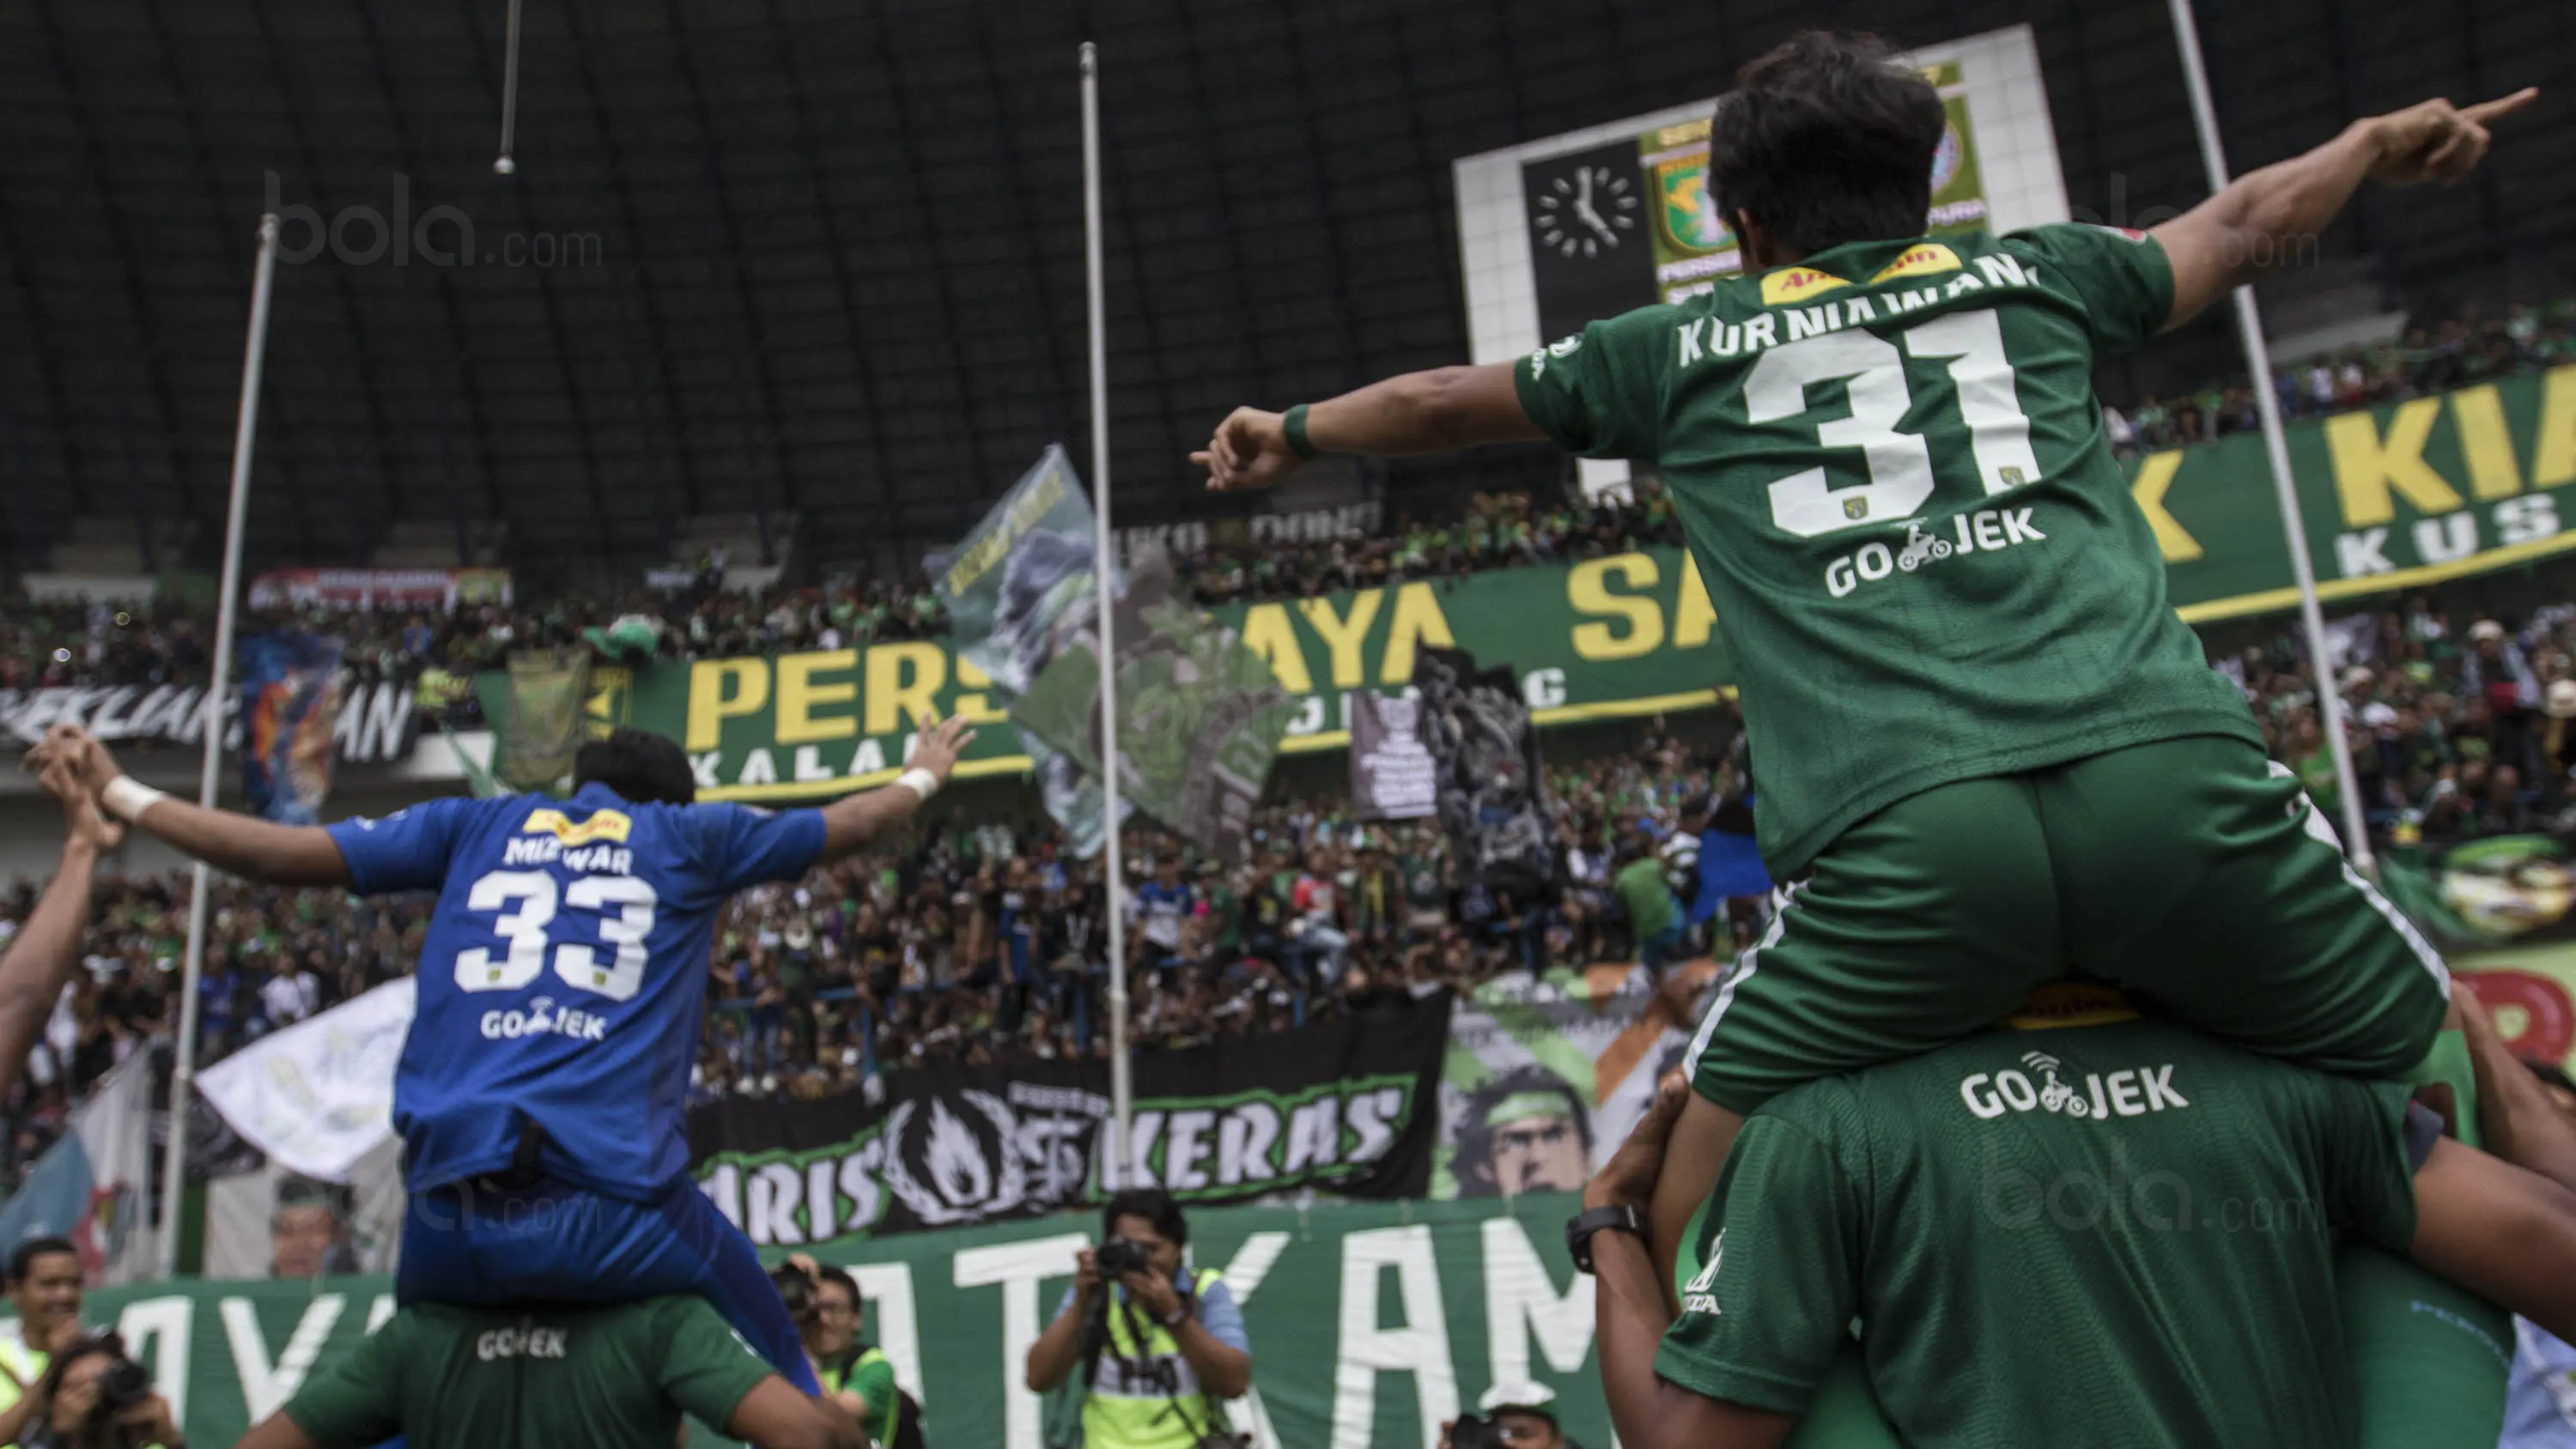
(563, 981)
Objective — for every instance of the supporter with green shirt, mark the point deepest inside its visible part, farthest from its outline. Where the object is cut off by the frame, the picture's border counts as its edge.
(616, 1377)
(857, 1374)
(2090, 1229)
(1654, 917)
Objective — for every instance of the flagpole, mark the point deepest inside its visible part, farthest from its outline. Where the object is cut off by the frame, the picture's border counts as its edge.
(183, 1073)
(2276, 448)
(1121, 1089)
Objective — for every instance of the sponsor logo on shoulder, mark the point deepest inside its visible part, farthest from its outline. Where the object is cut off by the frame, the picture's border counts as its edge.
(1561, 347)
(1918, 261)
(1791, 284)
(602, 825)
(1699, 1295)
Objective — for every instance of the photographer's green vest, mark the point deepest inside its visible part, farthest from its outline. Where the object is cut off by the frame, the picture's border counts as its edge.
(871, 1373)
(20, 1367)
(1122, 1418)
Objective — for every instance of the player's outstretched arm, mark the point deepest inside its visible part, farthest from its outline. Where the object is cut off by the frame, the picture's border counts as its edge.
(47, 947)
(2501, 1232)
(853, 821)
(2270, 218)
(1419, 412)
(241, 845)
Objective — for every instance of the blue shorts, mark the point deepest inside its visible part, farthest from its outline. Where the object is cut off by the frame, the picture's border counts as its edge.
(480, 1246)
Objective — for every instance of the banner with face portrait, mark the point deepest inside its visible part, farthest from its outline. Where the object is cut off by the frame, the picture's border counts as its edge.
(1393, 776)
(1545, 1076)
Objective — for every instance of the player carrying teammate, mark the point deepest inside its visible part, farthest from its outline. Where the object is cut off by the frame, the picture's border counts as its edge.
(542, 1092)
(2008, 761)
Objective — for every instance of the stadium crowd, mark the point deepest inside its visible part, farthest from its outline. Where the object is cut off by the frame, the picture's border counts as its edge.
(2459, 352)
(973, 939)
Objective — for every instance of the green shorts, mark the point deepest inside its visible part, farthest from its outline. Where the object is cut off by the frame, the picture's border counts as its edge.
(2192, 873)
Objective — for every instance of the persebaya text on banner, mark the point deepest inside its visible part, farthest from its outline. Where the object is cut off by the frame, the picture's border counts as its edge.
(1371, 1323)
(1343, 1105)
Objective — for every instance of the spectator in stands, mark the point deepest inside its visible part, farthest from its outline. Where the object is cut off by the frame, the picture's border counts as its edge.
(45, 1287)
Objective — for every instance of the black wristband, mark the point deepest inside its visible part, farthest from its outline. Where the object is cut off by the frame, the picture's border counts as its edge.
(1293, 423)
(1617, 1217)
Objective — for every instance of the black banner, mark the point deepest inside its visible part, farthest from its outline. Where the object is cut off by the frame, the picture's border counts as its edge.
(1349, 1106)
(1391, 769)
(1491, 784)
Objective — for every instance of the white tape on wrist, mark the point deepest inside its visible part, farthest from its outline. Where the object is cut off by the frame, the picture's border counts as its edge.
(127, 798)
(919, 781)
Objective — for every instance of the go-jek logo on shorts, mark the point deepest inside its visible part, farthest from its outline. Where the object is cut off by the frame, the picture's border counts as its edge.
(2131, 1093)
(542, 1019)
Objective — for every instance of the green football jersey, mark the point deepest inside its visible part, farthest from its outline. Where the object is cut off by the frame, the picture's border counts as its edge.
(2121, 1236)
(461, 1378)
(1895, 481)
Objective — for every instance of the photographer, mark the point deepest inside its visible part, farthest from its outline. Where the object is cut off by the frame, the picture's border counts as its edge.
(832, 1319)
(93, 1397)
(1510, 1416)
(45, 1288)
(1148, 1349)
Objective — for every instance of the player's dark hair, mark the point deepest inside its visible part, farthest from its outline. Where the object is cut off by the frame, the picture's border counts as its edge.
(1826, 139)
(1153, 1205)
(642, 767)
(22, 1259)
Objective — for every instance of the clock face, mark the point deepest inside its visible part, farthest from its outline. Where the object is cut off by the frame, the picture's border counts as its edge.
(1588, 211)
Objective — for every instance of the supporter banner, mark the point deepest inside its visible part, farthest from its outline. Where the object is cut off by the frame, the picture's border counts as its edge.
(1304, 525)
(317, 1097)
(545, 724)
(1018, 589)
(1371, 1323)
(376, 722)
(380, 588)
(88, 588)
(2531, 994)
(1545, 1077)
(291, 699)
(272, 1223)
(1627, 635)
(1199, 715)
(2394, 497)
(1342, 1105)
(1391, 768)
(93, 1186)
(1489, 786)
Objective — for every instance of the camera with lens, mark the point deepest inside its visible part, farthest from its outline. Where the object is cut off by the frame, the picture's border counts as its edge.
(1477, 1431)
(124, 1385)
(1119, 1257)
(796, 1289)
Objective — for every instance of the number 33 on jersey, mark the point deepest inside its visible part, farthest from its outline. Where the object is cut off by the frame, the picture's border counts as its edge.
(1894, 480)
(564, 973)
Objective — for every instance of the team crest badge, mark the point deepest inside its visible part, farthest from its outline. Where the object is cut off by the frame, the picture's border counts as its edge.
(1855, 508)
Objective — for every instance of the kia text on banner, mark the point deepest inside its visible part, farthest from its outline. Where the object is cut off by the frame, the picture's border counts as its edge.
(1344, 1105)
(1371, 1323)
(2394, 497)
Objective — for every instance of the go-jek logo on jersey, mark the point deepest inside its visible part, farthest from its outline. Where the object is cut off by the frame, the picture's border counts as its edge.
(2131, 1093)
(542, 1019)
(1699, 1295)
(1983, 531)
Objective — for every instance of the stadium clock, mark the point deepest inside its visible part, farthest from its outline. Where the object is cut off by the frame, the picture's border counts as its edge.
(1585, 211)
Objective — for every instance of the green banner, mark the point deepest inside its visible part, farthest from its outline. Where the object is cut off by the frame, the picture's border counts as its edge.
(1629, 634)
(2393, 497)
(1370, 1323)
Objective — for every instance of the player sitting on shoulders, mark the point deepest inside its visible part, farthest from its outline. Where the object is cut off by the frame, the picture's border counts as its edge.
(542, 1091)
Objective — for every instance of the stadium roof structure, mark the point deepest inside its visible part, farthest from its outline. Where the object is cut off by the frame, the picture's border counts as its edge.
(784, 255)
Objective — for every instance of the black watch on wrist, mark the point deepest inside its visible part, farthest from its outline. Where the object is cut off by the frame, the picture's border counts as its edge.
(1619, 1217)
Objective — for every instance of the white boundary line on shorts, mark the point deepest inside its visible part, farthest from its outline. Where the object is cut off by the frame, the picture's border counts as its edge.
(2321, 830)
(1745, 965)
